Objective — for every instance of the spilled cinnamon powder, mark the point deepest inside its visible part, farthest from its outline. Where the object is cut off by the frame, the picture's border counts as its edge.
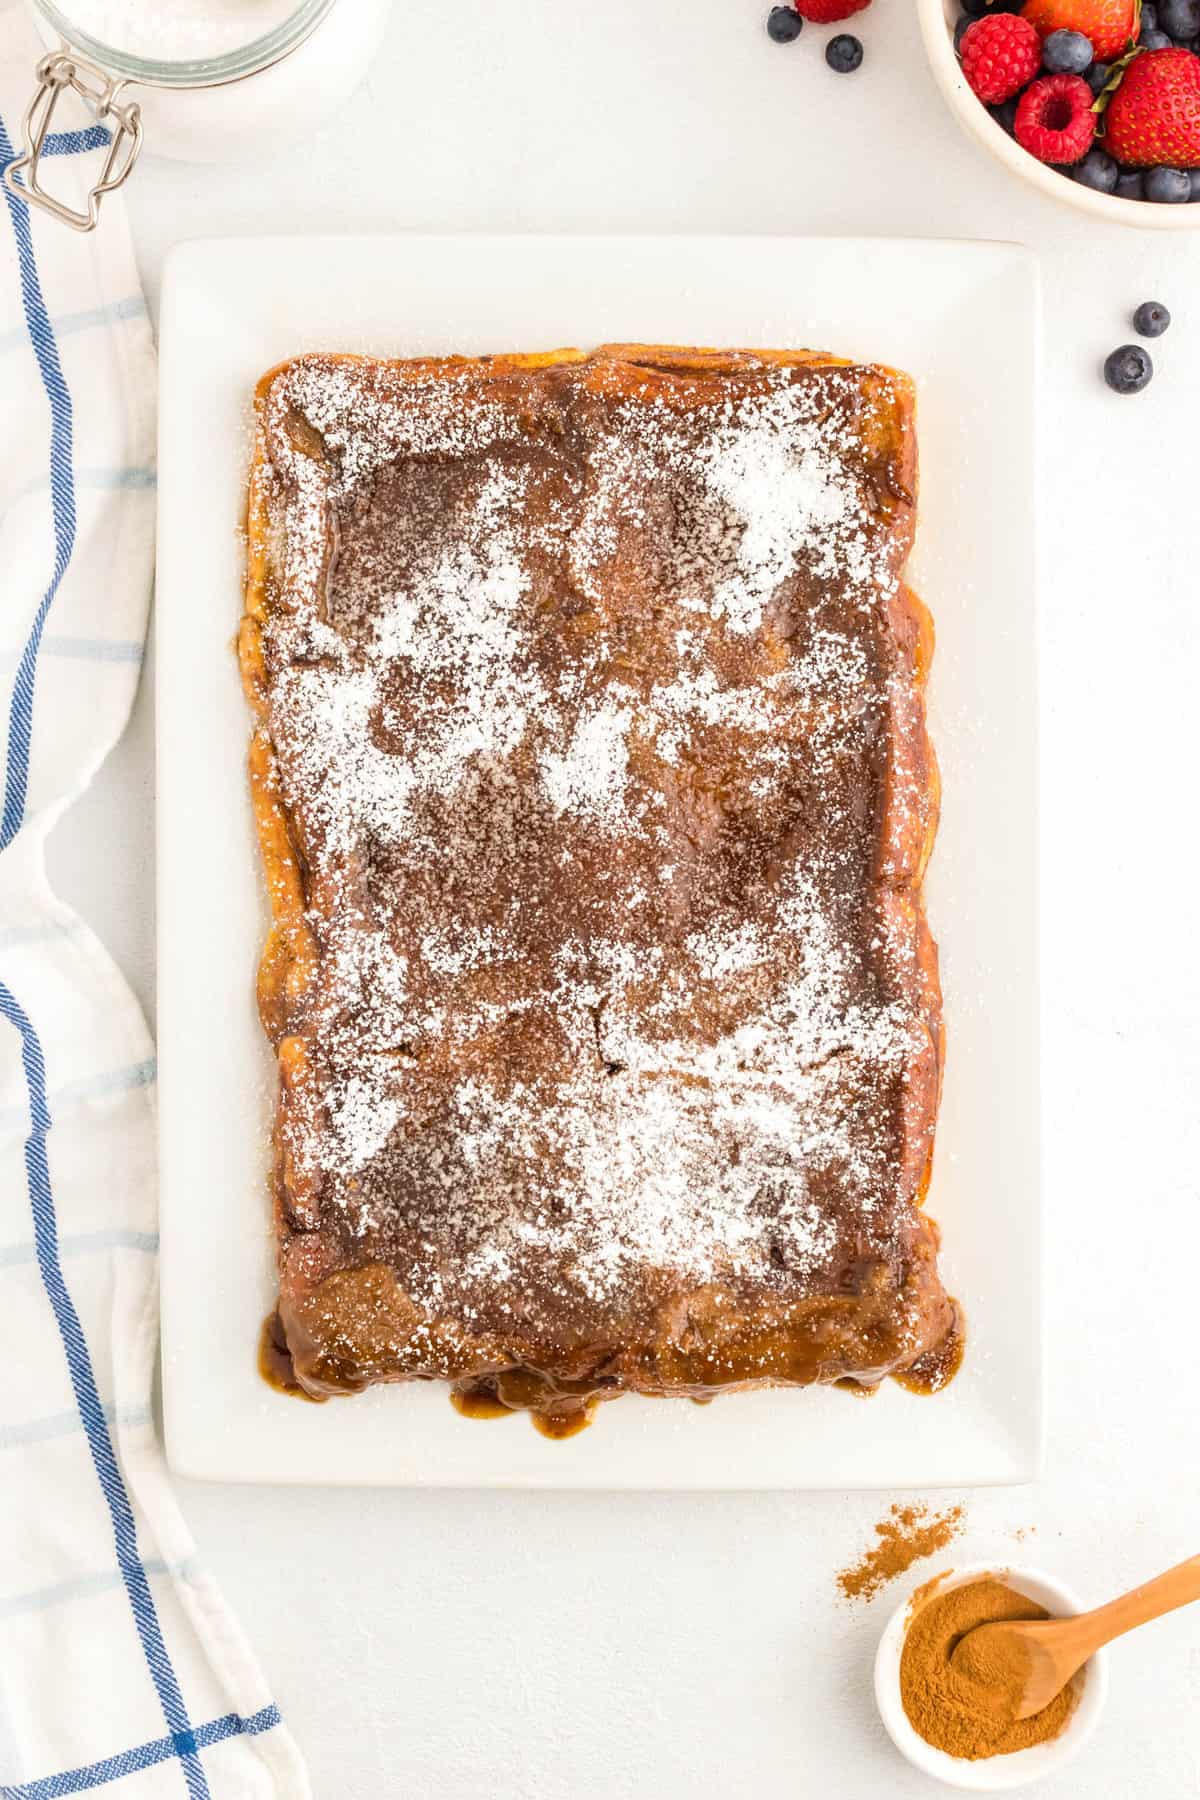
(904, 1536)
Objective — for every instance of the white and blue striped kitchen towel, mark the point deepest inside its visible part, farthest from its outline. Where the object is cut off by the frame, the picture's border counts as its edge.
(120, 1667)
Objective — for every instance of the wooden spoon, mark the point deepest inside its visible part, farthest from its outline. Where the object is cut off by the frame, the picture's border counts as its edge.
(1045, 1653)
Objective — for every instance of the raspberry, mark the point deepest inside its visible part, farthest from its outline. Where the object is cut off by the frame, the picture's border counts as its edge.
(1055, 121)
(828, 12)
(999, 55)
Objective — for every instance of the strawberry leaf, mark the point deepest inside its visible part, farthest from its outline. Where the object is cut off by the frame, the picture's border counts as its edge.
(1100, 103)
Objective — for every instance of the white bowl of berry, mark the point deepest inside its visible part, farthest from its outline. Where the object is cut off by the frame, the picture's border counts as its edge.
(1095, 102)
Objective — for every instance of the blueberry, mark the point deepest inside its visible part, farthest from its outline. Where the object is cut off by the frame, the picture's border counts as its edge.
(1170, 187)
(1194, 181)
(1155, 40)
(784, 24)
(1151, 319)
(1179, 18)
(1129, 185)
(1067, 53)
(1097, 170)
(1128, 370)
(1097, 76)
(1005, 116)
(1149, 17)
(843, 53)
(964, 24)
(979, 9)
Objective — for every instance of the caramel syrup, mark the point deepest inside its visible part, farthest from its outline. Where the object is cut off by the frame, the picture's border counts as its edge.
(479, 1404)
(565, 1425)
(275, 1361)
(938, 1367)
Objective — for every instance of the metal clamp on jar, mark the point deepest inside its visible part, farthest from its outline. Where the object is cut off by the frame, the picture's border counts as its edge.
(182, 82)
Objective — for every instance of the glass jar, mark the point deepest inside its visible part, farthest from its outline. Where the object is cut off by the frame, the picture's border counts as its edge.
(201, 109)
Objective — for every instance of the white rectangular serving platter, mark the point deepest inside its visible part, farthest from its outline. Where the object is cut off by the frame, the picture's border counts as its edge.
(962, 318)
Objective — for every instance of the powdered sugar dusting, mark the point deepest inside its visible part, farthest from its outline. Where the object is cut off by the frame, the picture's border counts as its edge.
(771, 483)
(582, 712)
(589, 778)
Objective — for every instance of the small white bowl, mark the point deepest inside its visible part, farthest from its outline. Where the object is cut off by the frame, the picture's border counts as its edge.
(937, 19)
(992, 1774)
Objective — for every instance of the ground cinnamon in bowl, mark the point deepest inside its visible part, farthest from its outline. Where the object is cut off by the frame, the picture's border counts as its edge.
(967, 1717)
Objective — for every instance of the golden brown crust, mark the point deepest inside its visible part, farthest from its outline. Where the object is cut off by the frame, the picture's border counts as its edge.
(349, 1320)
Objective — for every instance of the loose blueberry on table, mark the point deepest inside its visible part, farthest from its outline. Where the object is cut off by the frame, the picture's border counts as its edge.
(843, 53)
(784, 24)
(1151, 319)
(1129, 369)
(1105, 91)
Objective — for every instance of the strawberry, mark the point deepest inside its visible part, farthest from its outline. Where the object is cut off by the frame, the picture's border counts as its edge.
(1154, 116)
(1108, 24)
(828, 12)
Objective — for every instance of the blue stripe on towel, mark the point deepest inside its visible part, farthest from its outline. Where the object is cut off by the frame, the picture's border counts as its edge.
(87, 1399)
(42, 933)
(66, 1424)
(45, 350)
(104, 480)
(88, 1587)
(109, 1081)
(82, 1243)
(102, 650)
(75, 1781)
(67, 324)
(90, 1087)
(72, 143)
(64, 143)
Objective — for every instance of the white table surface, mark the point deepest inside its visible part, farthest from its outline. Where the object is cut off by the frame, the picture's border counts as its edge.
(457, 1645)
